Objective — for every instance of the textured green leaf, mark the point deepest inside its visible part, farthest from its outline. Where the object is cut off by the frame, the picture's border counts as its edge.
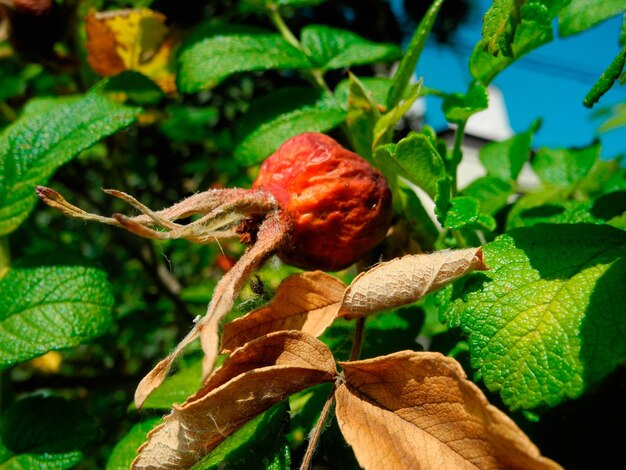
(458, 107)
(213, 53)
(464, 212)
(562, 167)
(416, 159)
(603, 209)
(546, 322)
(125, 450)
(554, 196)
(43, 433)
(361, 117)
(36, 145)
(499, 24)
(493, 193)
(505, 159)
(51, 307)
(606, 80)
(406, 68)
(331, 48)
(260, 443)
(280, 115)
(580, 15)
(529, 35)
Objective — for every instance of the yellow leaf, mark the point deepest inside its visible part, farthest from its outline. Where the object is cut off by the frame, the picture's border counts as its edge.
(418, 410)
(405, 280)
(133, 39)
(307, 302)
(255, 377)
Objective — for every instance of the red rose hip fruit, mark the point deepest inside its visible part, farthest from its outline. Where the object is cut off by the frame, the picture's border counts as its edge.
(337, 205)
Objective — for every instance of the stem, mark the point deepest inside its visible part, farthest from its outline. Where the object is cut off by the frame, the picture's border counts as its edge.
(7, 112)
(5, 256)
(357, 339)
(457, 155)
(316, 433)
(315, 77)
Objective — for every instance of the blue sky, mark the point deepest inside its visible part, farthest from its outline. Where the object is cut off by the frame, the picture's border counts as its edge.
(549, 83)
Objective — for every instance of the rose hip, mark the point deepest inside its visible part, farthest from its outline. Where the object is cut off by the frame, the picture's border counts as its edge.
(337, 204)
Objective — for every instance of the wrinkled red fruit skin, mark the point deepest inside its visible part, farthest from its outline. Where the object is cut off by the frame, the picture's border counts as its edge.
(338, 205)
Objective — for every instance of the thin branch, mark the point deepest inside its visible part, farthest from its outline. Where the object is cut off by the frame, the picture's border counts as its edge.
(317, 431)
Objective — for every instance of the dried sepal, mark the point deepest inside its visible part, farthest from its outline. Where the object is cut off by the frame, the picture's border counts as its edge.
(307, 301)
(406, 280)
(271, 234)
(255, 377)
(418, 410)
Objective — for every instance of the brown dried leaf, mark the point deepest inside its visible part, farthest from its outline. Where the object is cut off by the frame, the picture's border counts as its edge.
(418, 410)
(269, 237)
(255, 377)
(307, 302)
(405, 280)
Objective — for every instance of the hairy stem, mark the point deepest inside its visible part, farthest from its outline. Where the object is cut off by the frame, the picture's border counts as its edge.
(316, 432)
(357, 339)
(314, 76)
(457, 155)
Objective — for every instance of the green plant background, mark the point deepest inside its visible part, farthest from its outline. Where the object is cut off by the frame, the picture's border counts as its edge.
(542, 332)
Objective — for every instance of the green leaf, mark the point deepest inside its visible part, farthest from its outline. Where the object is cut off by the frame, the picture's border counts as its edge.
(420, 225)
(262, 6)
(214, 52)
(125, 450)
(458, 107)
(260, 443)
(362, 117)
(493, 193)
(616, 120)
(562, 167)
(44, 433)
(136, 87)
(406, 68)
(506, 159)
(499, 24)
(383, 130)
(188, 123)
(464, 212)
(546, 322)
(603, 209)
(580, 15)
(416, 159)
(37, 144)
(176, 388)
(377, 88)
(529, 35)
(51, 307)
(548, 196)
(280, 115)
(14, 77)
(331, 48)
(606, 80)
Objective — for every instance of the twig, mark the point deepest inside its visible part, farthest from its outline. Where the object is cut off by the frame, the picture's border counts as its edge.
(316, 433)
